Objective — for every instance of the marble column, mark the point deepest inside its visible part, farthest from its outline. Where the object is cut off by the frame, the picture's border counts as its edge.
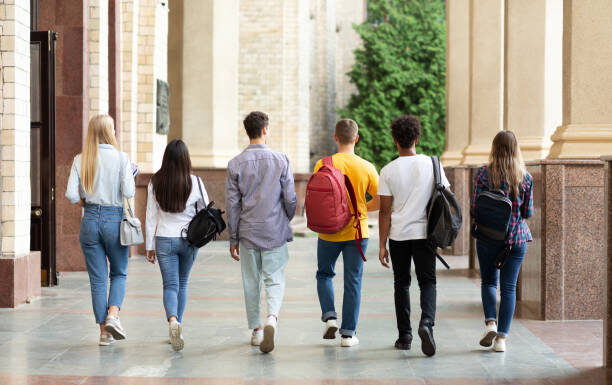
(210, 81)
(608, 255)
(457, 81)
(533, 73)
(586, 131)
(487, 78)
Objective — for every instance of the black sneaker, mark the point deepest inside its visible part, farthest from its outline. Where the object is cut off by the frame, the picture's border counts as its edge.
(404, 342)
(428, 345)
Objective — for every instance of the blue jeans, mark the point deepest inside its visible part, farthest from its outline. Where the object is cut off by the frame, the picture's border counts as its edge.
(509, 275)
(327, 255)
(266, 265)
(176, 258)
(99, 237)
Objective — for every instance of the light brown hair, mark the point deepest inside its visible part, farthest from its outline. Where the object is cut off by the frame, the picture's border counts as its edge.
(346, 131)
(101, 130)
(506, 163)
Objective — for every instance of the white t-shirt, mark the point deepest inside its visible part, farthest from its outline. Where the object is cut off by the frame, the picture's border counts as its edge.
(410, 181)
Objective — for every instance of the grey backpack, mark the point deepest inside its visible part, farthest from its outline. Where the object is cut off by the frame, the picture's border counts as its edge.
(444, 217)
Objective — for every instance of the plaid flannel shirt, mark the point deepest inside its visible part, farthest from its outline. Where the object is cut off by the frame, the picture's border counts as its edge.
(522, 206)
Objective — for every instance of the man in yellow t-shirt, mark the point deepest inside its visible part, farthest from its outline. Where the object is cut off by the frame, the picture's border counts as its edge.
(364, 178)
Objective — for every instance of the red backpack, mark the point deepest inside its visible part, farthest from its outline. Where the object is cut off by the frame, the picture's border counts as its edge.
(327, 206)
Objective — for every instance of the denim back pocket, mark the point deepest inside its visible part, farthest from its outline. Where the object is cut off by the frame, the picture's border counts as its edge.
(88, 235)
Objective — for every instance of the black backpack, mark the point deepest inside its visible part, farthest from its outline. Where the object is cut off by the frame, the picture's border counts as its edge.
(205, 225)
(444, 217)
(492, 216)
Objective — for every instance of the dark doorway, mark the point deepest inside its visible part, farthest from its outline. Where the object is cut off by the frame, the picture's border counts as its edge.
(42, 151)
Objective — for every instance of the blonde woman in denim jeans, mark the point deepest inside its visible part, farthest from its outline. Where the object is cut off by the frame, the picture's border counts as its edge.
(100, 178)
(174, 196)
(505, 171)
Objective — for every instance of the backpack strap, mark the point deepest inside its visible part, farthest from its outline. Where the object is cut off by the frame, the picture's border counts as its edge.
(201, 194)
(437, 173)
(328, 162)
(357, 215)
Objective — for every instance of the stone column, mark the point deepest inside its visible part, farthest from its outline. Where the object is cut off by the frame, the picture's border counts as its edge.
(487, 78)
(608, 255)
(97, 56)
(457, 80)
(210, 80)
(586, 131)
(533, 73)
(129, 77)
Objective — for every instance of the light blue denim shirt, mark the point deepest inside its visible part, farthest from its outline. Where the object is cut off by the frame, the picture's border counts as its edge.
(260, 198)
(114, 179)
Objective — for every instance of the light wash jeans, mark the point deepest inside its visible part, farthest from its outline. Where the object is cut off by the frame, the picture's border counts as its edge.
(99, 237)
(268, 265)
(176, 258)
(327, 255)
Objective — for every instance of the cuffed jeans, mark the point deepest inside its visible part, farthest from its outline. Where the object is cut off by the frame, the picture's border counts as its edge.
(99, 238)
(509, 275)
(327, 255)
(402, 253)
(176, 258)
(268, 265)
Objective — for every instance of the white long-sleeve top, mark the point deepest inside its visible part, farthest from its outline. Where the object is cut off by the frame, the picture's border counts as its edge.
(163, 224)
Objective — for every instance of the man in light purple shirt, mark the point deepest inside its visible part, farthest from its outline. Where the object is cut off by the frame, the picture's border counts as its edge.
(260, 203)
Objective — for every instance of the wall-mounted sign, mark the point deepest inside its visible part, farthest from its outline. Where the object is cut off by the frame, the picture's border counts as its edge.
(163, 107)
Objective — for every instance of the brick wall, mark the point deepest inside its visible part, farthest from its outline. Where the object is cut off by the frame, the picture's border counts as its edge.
(97, 56)
(129, 76)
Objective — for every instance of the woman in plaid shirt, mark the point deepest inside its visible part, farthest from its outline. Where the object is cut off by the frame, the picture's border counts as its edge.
(505, 171)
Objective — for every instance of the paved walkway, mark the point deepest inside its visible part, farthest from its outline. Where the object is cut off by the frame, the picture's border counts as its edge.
(54, 340)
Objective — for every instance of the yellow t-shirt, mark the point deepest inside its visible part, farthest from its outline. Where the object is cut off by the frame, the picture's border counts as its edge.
(364, 178)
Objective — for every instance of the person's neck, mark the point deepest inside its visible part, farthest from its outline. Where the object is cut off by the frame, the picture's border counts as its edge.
(260, 140)
(407, 151)
(346, 148)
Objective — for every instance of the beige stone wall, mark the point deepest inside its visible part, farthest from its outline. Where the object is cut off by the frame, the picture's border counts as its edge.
(348, 13)
(129, 76)
(97, 56)
(15, 128)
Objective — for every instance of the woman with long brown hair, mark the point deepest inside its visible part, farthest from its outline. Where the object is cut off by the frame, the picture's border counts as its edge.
(100, 178)
(174, 197)
(505, 171)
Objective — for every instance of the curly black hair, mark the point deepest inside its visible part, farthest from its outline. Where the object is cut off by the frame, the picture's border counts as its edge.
(254, 123)
(406, 130)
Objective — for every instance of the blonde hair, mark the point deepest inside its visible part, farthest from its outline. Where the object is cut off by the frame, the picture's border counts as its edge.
(99, 131)
(506, 163)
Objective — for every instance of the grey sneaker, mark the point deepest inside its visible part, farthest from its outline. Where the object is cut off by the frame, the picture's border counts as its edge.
(113, 326)
(106, 339)
(176, 336)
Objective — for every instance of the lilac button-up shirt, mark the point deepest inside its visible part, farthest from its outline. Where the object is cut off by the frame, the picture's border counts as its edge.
(260, 198)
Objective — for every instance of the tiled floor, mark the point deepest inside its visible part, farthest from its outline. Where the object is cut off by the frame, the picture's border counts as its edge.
(53, 340)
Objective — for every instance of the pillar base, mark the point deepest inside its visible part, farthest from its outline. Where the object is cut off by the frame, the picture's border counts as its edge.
(534, 147)
(216, 159)
(581, 141)
(476, 154)
(19, 279)
(451, 158)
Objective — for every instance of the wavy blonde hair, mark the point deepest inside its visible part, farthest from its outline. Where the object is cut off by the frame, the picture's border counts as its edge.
(506, 162)
(101, 130)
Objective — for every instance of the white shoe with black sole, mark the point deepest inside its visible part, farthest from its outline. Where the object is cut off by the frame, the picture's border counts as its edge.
(331, 327)
(489, 335)
(269, 331)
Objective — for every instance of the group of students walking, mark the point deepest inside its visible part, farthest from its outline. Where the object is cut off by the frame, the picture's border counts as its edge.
(260, 203)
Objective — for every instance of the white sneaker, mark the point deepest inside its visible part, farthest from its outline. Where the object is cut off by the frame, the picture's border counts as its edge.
(257, 337)
(489, 335)
(347, 342)
(267, 343)
(106, 339)
(331, 327)
(176, 336)
(500, 345)
(113, 326)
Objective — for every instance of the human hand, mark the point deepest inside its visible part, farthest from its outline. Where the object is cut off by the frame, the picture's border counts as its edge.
(151, 256)
(383, 256)
(235, 252)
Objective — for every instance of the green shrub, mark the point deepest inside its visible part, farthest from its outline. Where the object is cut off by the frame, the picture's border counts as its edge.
(399, 70)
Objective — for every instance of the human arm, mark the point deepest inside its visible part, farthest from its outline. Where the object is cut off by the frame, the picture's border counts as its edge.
(374, 203)
(203, 198)
(384, 226)
(527, 206)
(288, 191)
(128, 186)
(72, 189)
(233, 199)
(151, 223)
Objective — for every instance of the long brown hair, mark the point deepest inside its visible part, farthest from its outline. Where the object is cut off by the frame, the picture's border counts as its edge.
(101, 130)
(506, 163)
(172, 183)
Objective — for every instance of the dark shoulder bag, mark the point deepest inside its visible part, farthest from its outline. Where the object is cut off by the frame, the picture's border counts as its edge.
(205, 225)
